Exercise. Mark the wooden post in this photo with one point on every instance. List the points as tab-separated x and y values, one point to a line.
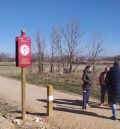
23	92
50	100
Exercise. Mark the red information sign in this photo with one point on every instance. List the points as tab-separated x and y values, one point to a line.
23	51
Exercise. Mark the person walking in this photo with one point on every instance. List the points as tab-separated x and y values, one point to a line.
113	84
87	78
103	85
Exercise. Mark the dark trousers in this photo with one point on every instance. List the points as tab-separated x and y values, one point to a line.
86	95
103	92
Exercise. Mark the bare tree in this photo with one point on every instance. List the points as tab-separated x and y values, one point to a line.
66	40
53	43
40	44
58	46
62	58
96	47
72	35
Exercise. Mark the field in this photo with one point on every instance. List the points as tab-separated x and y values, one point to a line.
71	83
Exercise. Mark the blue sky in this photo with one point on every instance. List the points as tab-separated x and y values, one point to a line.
101	16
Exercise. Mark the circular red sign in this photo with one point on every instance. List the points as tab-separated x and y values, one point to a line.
24	50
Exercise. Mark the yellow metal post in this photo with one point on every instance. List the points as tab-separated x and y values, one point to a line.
23	92
50	100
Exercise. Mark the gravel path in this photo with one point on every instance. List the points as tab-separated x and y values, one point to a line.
67	108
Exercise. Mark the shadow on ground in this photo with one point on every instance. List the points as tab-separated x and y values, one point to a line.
74	106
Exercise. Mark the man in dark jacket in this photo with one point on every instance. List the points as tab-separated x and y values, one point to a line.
102	84
113	84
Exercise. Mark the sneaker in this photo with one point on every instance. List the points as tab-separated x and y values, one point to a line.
87	106
113	117
101	105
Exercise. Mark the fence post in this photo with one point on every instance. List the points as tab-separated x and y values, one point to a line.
23	92
49	100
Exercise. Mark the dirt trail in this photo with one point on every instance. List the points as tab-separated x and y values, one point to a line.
67	108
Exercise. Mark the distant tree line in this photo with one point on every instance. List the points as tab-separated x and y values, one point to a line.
4	57
111	58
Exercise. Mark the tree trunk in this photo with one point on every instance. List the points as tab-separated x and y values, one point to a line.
51	68
70	68
42	69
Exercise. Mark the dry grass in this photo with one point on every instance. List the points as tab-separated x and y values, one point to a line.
66	82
